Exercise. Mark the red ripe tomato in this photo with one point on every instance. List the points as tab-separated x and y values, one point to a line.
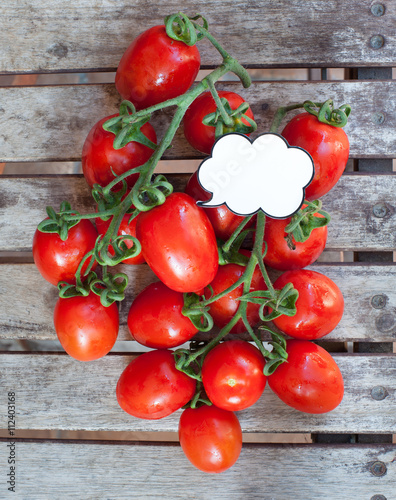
58	260
125	229
328	146
151	387
210	437
179	244
86	329
155	68
320	305
200	136
155	318
225	308
310	381
224	221
280	256
99	156
232	375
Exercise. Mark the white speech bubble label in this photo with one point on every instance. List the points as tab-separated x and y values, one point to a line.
265	174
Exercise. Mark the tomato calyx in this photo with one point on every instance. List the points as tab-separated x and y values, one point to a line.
226	120
305	221
151	194
337	117
57	222
277	355
181	28
196	313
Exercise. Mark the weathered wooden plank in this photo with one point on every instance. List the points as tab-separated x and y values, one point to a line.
57	392
97	470
61	116
362	208
369	293
49	35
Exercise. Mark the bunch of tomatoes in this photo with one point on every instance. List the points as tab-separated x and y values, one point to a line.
210	262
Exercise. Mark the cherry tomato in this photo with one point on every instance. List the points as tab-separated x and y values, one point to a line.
210	437
224	221
125	229
328	146
200	136
232	375
224	309
99	157
86	329
310	381
151	387
280	256
155	318
155	68
58	260
179	244
320	305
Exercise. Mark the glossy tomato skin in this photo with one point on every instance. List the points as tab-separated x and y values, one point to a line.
223	220
223	309
58	260
151	387
328	146
179	244
320	305
155	318
210	437
280	256
99	157
232	375
310	381
126	229
200	136
155	68
86	329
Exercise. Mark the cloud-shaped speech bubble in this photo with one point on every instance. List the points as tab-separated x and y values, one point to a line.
265	174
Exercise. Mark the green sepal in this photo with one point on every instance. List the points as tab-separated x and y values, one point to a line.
337	117
198	315
215	120
152	195
110	288
305	221
56	222
179	27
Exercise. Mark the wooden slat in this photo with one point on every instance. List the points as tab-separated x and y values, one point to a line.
354	225
57	392
162	471
33	301
61	116
82	35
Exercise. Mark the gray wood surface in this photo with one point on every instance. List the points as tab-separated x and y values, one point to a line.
39	36
61	116
54	391
33	301
354	224
143	471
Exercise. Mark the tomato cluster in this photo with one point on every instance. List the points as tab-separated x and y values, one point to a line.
204	277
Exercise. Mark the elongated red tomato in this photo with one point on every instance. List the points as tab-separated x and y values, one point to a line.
320	305
155	68
232	375
281	256
126	229
99	157
328	146
224	308
58	260
310	381
179	244
151	387
86	329
155	318
224	221
200	136
210	437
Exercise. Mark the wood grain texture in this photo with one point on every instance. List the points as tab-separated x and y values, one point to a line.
354	225
142	471
49	35
33	301
61	116
58	392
